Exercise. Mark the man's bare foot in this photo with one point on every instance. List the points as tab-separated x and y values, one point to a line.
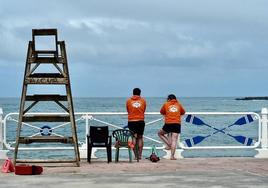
167	148
173	158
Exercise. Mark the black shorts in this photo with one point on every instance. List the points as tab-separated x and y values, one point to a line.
137	127
172	128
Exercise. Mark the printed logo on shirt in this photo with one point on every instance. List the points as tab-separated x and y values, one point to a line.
173	108
136	104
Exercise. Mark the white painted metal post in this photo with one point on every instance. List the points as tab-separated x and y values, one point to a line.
264	143
1	129
87	128
3	153
83	149
263	151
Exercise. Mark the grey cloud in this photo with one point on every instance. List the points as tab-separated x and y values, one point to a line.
111	40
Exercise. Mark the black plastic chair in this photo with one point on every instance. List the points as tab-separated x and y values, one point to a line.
122	138
99	137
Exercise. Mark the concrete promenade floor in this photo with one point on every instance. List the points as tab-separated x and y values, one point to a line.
189	172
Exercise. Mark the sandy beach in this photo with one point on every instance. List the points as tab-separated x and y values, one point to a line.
190	172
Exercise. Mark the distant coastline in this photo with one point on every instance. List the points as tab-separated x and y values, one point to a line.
252	98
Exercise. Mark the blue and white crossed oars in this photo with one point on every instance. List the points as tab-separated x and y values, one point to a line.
197	139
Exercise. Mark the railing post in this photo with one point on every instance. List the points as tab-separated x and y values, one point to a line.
1	129
3	153
83	148
263	151
264	142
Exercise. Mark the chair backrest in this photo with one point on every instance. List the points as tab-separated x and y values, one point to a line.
99	134
123	135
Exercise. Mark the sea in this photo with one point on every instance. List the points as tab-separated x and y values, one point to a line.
227	137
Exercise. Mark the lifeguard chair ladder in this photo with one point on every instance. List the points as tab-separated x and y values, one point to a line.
35	58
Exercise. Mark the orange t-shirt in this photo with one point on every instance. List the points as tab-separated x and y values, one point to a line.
136	107
172	110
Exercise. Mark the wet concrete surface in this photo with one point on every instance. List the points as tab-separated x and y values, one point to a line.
190	172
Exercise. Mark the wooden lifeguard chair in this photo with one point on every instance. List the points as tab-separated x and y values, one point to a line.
35	58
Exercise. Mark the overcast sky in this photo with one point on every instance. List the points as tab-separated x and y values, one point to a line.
189	48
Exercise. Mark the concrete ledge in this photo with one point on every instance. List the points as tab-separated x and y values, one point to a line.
262	153
3	154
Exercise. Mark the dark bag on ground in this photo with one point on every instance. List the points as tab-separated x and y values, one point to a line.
154	156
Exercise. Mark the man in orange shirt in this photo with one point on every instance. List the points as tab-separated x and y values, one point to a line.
136	106
172	111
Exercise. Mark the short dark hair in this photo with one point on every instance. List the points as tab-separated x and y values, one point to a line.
136	91
171	96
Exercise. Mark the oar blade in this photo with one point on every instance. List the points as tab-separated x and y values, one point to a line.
188	118
194	141
194	120
249	142
243	140
198	139
188	142
244	120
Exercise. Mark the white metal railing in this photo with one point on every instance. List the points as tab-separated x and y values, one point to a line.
85	116
88	117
